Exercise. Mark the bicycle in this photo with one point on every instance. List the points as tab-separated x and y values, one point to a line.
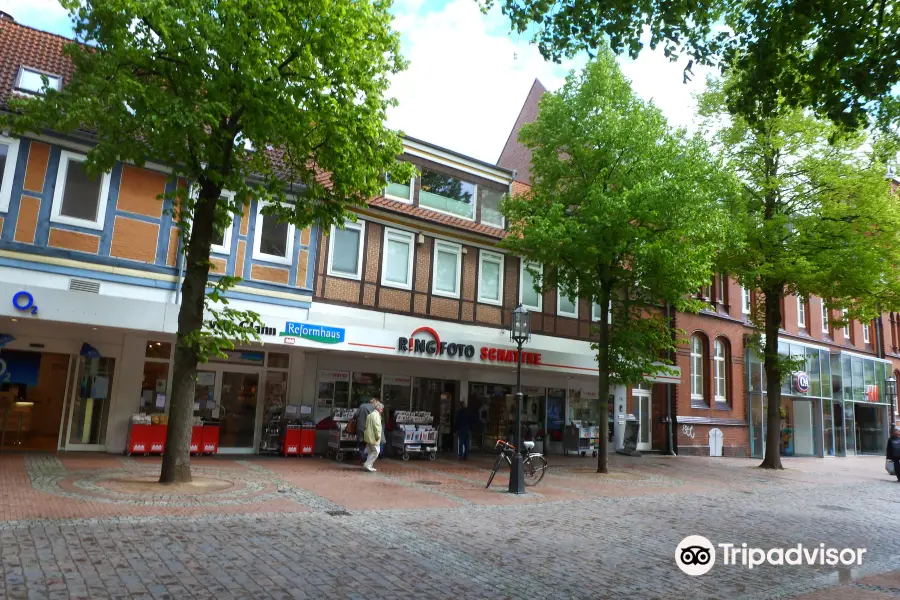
534	463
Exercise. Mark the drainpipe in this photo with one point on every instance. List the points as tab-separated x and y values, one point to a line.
180	272
670	450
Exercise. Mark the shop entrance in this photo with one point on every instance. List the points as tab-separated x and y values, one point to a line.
870	428
643	405
440	397
32	396
230	393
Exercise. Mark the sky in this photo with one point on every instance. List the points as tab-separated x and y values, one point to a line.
468	74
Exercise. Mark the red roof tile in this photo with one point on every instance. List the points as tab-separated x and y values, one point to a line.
29	47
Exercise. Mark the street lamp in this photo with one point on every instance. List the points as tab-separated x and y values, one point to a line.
519	332
890	390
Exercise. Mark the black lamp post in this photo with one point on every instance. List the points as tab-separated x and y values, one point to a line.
890	391
519	332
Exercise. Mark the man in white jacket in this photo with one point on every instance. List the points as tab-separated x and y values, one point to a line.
372	436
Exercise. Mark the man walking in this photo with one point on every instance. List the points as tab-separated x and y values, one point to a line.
893	451
464	420
372	436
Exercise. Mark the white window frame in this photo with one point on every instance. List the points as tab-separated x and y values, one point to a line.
523	265
596	314
502	224
697	367
403	236
746	301
447	247
826	320
720	373
9	171
866	333
60	189
801	313
412	191
847	326
559	311
720	288
257	239
50	76
360	226
486	256
225	248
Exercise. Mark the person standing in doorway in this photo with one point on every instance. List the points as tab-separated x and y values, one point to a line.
893	451
373	435
464	420
362	416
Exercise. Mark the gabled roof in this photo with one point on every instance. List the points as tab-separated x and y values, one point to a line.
515	156
33	48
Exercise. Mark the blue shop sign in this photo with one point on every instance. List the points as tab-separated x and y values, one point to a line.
316	333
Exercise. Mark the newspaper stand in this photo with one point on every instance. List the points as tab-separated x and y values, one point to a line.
414	434
340	442
581	439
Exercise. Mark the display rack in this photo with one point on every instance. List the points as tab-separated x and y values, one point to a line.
581	439
340	442
288	437
414	435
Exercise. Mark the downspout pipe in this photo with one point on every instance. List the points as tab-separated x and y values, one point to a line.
670	448
180	261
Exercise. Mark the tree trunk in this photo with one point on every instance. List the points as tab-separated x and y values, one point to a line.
772	459
176	463
603	383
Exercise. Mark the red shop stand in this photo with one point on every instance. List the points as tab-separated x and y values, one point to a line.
138	439
307	441
292	441
196	438
210	439
158	438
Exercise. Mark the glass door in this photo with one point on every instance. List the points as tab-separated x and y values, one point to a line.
89	409
642	402
237	398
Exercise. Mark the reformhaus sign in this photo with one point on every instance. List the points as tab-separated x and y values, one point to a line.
315	333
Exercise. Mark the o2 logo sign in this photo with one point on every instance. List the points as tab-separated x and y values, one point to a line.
801	382
24	302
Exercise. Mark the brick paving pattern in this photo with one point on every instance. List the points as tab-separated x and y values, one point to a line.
313	528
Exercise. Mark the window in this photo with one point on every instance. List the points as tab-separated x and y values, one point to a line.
801	313
826	318
697	370
155	381
447	194
720	374
847	326
529	296
401	192
564	306
490	207
79	199
706	292
447	263
346	250
865	329
31	81
490	278
746	301
221	240
720	288
9	152
273	240
596	314
397	263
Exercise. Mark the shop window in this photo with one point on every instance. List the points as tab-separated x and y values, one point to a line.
345	250
826	318
447	267
397	265
79	199
565	306
90	405
274	239
490	277
531	274
698	355
746	301
401	191
9	153
221	238
490	207
720	371
278	360
365	387
32	81
161	350
154	387
396	392
447	194
275	393
801	313
333	390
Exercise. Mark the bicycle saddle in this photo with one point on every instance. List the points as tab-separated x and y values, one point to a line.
529	445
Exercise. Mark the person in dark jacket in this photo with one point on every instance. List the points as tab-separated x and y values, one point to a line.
464	420
893	451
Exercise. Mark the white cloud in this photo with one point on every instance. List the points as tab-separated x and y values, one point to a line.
46	15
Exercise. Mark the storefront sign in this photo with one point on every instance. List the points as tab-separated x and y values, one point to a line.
511	356
334	375
24	301
315	333
399	380
260	329
529	390
801	382
433	346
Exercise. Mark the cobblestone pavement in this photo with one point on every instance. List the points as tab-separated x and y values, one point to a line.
313	528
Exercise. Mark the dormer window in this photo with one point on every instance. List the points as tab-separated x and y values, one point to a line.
490	207
447	194
31	81
399	191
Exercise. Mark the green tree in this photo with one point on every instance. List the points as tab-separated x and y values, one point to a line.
623	211
281	100
816	217
838	57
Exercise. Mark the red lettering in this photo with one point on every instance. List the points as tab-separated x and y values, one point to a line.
484	353
528	358
537	359
512	356
492	355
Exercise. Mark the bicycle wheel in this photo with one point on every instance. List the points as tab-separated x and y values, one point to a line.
535	466
494	471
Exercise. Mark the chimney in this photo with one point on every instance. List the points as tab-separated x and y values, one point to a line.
5	16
